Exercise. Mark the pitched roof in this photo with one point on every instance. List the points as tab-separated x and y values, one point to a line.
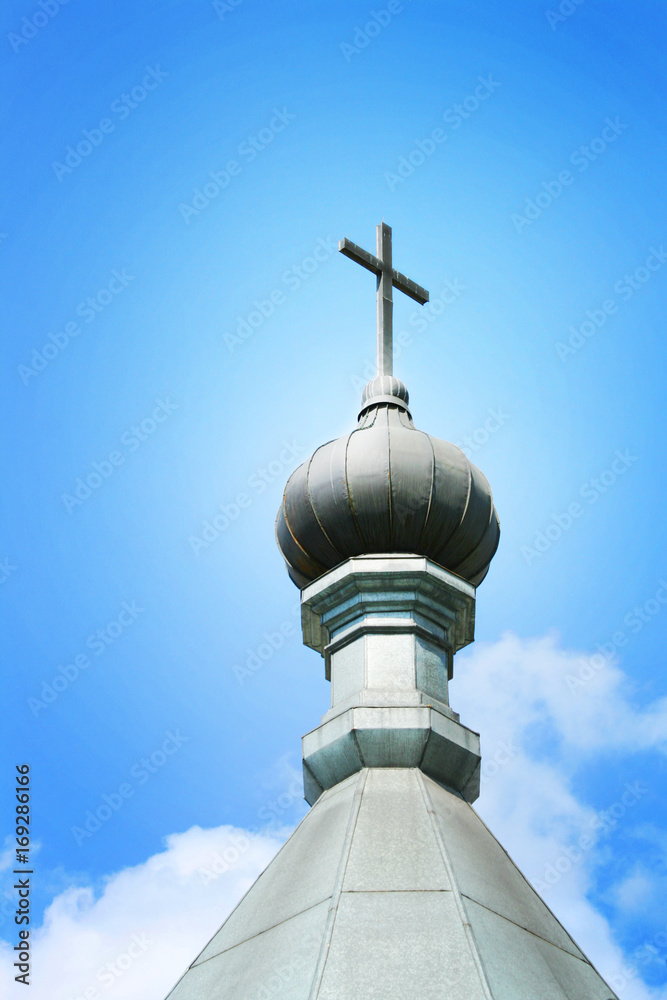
391	888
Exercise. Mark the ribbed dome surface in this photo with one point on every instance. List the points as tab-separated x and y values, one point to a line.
387	487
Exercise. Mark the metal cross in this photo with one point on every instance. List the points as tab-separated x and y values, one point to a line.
387	279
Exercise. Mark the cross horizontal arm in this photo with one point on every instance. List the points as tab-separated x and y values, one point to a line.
409	287
371	263
354	252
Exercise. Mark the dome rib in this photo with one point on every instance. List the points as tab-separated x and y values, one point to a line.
390	503
314	510
349	493
297	558
485	551
387	487
430	492
329	497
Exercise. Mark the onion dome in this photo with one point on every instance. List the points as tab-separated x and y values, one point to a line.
387	487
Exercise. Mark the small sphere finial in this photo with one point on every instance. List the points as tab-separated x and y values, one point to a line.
384	389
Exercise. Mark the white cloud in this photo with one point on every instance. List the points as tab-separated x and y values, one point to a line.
7	854
634	892
151	920
514	690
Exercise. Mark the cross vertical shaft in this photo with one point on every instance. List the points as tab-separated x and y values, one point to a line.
385	303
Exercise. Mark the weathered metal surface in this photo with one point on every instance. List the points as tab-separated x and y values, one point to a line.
411	737
387	280
387	487
388	627
392	887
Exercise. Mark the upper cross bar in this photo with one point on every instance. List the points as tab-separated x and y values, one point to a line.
387	279
371	263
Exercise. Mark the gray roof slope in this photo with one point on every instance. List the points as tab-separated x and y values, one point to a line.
391	888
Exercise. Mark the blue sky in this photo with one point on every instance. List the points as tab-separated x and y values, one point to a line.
179	331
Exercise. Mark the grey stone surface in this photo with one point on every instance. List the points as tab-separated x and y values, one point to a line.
277	963
350	675
301	875
486	873
391	888
431	669
522	966
420	953
390	662
393	848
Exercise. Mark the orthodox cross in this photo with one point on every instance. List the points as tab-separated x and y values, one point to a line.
387	280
